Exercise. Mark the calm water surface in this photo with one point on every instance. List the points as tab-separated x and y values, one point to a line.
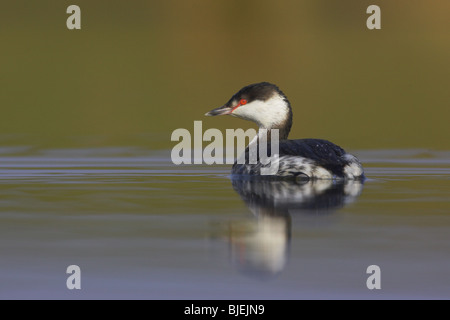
140	227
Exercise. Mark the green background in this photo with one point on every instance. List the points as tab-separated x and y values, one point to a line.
137	70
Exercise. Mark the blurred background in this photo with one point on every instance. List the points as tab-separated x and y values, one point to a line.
137	70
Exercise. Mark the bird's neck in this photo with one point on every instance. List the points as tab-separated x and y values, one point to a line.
283	132
281	121
283	129
265	134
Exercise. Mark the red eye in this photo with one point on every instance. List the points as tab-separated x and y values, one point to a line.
242	102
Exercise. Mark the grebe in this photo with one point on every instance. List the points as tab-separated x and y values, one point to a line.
266	105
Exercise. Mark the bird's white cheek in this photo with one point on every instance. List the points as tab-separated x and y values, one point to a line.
245	112
251	110
265	114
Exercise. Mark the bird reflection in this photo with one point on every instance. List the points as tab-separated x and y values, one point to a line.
260	246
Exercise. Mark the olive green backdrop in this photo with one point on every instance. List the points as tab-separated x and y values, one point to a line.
137	70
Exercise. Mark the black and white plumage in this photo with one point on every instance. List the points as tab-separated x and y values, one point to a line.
260	247
284	197
266	105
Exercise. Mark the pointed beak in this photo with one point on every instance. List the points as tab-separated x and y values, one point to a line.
219	111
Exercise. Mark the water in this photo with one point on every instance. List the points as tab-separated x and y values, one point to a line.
140	227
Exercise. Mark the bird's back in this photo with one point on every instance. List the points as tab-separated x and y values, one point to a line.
309	158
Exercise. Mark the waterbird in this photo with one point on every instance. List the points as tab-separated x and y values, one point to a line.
266	105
